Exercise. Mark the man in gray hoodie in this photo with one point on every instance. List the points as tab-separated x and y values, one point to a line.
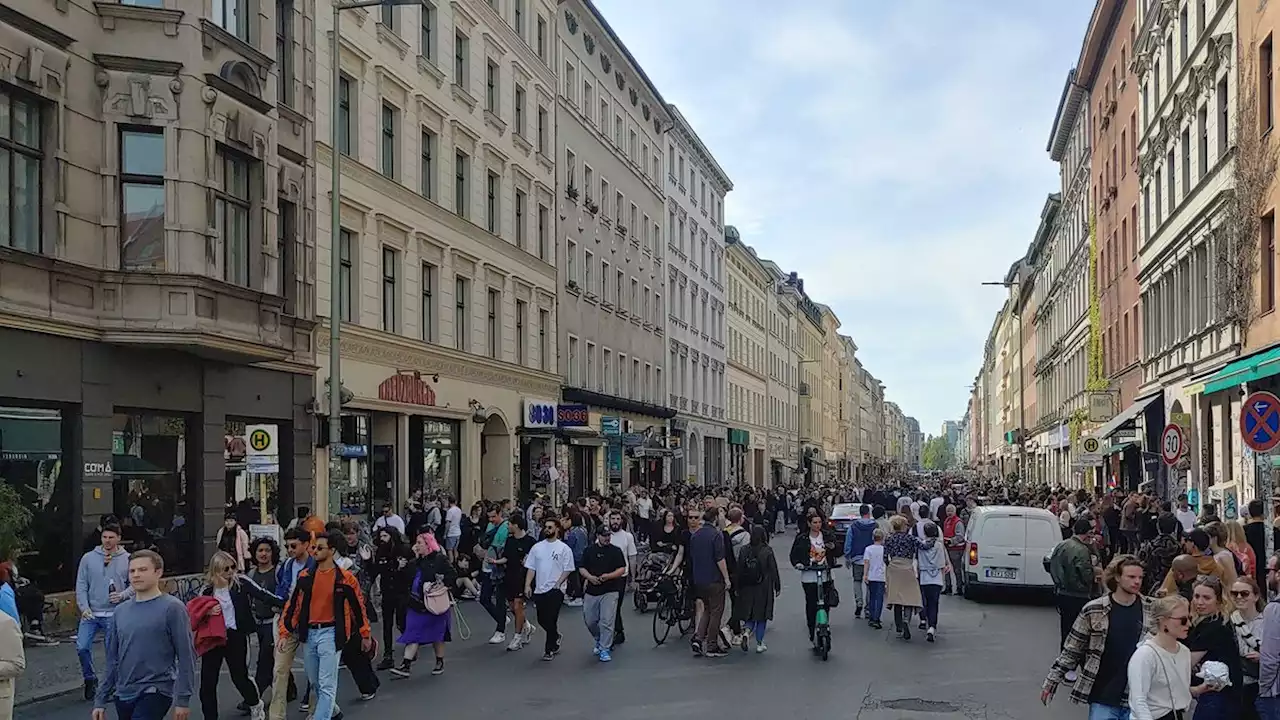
102	582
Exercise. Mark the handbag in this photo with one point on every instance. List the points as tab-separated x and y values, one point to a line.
436	598
833	596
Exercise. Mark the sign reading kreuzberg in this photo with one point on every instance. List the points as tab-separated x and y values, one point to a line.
408	388
1101	406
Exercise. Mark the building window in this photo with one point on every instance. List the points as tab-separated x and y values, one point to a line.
460	289
588	277
346	245
1268	262
517	17
543	213
520	220
390	122
232	217
1202	126
571	261
542	130
142	199
544	338
460	161
572	371
390	262
493	186
427	149
591	377
493	333
606	372
284	51
21	155
491	86
427	30
233	16
542	38
461	46
428	302
522	353
286	251
518	112
588	101
388	17
1266	75
344	115
570	83
1223	118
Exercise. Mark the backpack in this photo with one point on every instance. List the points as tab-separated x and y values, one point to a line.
750	569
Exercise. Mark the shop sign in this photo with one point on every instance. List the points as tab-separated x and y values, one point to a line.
615	461
539	413
97	469
117	443
739	437
1121	437
262	448
351	451
408	389
572	415
1101	406
610	425
633	439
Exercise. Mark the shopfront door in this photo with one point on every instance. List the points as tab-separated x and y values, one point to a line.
382	478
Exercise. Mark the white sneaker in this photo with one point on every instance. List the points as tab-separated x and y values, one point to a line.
498	638
573	602
529	630
517	642
761	647
257	712
1071	676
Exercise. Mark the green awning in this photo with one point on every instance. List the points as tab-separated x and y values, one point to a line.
1118	449
1255	367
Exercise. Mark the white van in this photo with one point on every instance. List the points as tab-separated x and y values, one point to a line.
1006	547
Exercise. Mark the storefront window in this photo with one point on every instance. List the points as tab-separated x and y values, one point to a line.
252	497
440	471
150	455
31	445
349	495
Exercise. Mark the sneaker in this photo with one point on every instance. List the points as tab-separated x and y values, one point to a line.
529	630
906	632
929	634
605	656
548	657
258	712
439	668
401	670
573	602
517	642
696	647
761	647
90	688
742	641
387	663
924	625
498	638
715	653
305	705
596	650
1071	676
243	707
366	697
857	612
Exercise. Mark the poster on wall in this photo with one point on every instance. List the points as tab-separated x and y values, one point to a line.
1229	506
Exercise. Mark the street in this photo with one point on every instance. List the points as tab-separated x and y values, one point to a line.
988	662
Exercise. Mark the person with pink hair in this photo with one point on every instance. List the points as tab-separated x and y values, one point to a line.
429	618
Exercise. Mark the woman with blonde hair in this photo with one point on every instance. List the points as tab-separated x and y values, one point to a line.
902	586
1248	601
235	594
1212	640
1160	669
1238	544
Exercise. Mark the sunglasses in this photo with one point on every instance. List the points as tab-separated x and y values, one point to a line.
1241	593
1182	620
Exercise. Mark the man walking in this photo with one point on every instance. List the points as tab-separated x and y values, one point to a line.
547	566
102	583
620	538
953	537
604	572
1071	567
298	545
860	536
710	583
151	658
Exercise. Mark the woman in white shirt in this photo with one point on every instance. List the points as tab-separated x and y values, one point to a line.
1160	669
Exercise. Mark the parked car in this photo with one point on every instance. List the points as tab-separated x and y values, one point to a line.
842	516
1006	549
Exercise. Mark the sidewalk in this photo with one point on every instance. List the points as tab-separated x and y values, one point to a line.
54	670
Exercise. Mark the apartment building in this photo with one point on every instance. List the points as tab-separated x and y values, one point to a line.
783	349
1188	85
447	282
914	442
611	126
873	449
850	408
696	304
895	436
810	334
830	409
749	296
156	256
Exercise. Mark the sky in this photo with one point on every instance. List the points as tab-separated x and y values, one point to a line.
891	153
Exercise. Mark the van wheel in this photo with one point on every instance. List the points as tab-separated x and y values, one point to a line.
970	592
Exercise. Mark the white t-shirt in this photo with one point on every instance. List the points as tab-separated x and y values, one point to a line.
223	596
1159	681
391	520
625	542
1187	518
934	504
643	507
873	562
453	521
548	559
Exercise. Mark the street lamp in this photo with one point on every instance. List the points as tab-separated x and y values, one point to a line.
1022	400
336	390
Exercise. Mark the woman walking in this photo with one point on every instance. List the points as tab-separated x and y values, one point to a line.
393	570
1160	669
758	585
236	595
934	565
234	541
814	547
1212	639
266	557
429	614
1246	621
902	588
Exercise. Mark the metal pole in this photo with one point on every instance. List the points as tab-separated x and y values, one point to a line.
335	263
1022	400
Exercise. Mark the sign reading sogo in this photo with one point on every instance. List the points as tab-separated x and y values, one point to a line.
1102	406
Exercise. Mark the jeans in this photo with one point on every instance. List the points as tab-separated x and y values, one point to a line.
758	628
86	633
857	568
548	606
321	662
1268	708
236	655
598	612
707	628
150	706
875	599
490	589
1098	711
931	594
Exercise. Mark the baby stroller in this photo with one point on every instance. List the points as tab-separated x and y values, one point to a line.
646	582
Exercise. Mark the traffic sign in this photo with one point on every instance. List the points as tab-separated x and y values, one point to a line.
1171	444
262	454
1260	421
1091	445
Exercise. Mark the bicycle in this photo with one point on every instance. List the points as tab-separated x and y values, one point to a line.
672	609
822	622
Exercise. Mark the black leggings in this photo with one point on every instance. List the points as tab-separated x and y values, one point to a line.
236	655
811	603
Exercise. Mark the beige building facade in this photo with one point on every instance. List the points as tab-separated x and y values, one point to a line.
448	288
748	295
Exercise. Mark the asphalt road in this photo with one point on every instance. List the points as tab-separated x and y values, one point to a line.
988	663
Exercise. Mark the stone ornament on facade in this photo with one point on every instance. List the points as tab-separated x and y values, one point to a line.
644	110
571	21
605	64
617	78
635	98
589	43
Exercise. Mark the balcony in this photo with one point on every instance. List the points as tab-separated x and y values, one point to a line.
191	313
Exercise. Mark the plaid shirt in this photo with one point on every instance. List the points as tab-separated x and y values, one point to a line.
1084	646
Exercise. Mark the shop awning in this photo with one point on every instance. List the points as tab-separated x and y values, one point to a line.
1125	417
1118	449
1255	367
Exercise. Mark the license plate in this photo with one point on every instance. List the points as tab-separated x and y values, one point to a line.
1002	573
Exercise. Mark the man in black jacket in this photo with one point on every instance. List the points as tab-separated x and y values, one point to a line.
1255	533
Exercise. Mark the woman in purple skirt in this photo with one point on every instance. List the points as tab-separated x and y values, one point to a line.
421	626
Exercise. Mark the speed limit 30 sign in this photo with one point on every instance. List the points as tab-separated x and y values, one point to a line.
1171	444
